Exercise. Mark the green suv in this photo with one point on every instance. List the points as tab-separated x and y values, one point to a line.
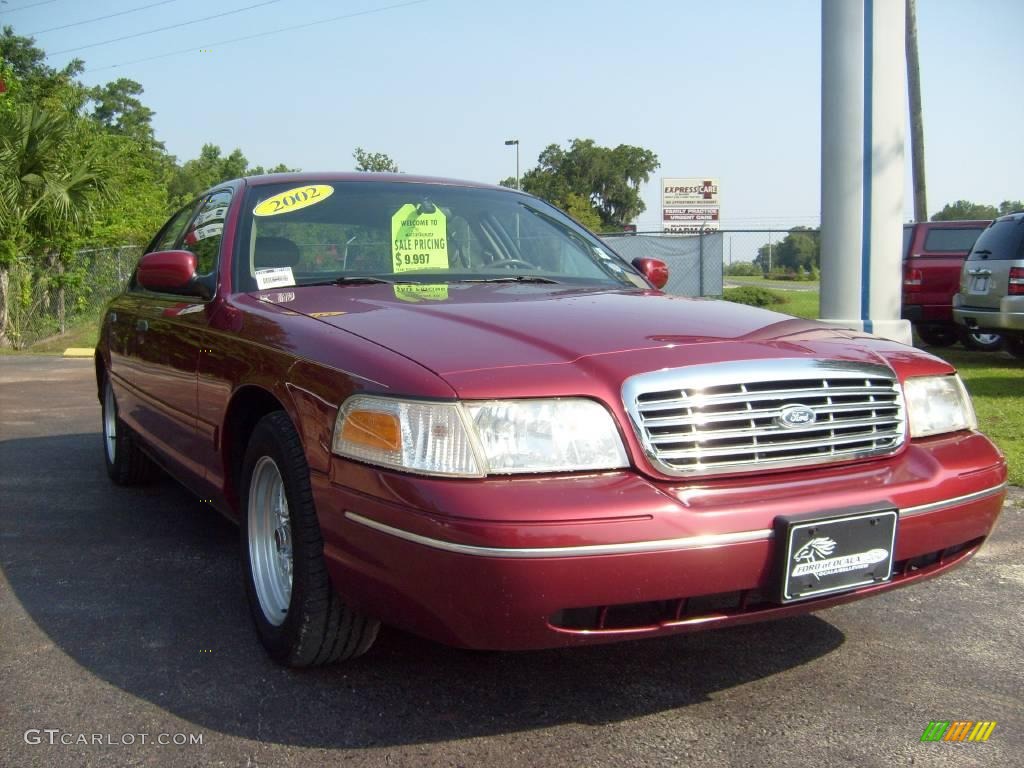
991	293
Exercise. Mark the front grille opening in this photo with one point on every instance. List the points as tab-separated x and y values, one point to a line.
658	613
742	426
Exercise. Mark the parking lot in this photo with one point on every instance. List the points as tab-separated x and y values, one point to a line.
122	613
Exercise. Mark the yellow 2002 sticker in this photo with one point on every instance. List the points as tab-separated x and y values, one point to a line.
293	199
419	240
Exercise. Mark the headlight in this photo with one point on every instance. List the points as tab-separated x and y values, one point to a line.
474	439
546	435
937	404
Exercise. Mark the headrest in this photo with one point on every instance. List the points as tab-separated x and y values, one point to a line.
275	252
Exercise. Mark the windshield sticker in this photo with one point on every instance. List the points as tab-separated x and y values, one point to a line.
418	293
293	199
210	230
419	240
275	277
217	214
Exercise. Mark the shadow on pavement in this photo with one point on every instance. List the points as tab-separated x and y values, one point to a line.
142	588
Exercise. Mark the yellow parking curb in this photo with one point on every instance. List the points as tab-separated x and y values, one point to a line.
78	352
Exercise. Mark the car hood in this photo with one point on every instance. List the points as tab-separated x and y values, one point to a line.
477	336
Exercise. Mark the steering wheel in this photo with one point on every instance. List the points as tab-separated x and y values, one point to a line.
509	262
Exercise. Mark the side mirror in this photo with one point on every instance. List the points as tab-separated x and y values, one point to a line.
170	272
655	270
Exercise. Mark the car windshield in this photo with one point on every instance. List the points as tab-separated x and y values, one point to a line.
409	232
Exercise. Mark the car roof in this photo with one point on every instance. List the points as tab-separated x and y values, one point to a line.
359	176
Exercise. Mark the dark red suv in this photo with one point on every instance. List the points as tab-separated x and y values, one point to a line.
933	253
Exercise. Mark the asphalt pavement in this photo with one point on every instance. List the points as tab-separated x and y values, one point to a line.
125	640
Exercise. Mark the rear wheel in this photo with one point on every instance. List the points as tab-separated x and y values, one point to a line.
1015	345
936	335
125	461
300	620
981	341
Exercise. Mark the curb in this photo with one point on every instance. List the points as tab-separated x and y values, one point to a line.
78	352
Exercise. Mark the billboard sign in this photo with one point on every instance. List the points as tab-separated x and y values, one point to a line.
690	206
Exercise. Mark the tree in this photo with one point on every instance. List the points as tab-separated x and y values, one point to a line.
1011	206
963	210
48	188
259	170
798	252
373	161
118	109
38	83
607	179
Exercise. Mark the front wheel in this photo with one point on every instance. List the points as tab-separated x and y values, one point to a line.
300	620
981	341
936	335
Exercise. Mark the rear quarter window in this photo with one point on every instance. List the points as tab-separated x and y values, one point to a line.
1002	240
951	240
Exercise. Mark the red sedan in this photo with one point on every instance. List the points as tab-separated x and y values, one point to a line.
448	407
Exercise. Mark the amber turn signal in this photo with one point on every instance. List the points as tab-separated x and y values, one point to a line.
372	429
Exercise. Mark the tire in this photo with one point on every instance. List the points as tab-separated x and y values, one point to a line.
1015	345
125	461
299	618
936	335
981	341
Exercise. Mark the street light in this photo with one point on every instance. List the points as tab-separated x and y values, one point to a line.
509	143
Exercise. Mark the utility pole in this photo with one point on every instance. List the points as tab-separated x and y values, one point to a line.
916	120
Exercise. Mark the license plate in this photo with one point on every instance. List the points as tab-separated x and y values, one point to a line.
979	284
824	555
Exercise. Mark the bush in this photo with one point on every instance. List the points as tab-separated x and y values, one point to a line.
754	296
744	269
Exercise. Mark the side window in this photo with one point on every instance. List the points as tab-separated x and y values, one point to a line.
172	230
206	231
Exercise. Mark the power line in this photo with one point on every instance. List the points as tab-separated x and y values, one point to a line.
192	49
24	7
102	18
164	29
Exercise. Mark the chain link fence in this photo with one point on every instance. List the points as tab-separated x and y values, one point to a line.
701	264
45	297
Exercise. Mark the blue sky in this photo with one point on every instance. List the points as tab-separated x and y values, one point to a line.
728	89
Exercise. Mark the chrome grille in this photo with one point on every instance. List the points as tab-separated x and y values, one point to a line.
748	415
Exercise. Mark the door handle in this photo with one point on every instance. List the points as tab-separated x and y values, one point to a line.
142	325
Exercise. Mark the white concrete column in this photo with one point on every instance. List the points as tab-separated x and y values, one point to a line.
862	135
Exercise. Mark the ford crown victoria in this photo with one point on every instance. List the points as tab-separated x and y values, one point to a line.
449	408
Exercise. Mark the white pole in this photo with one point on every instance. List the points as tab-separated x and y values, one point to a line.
862	134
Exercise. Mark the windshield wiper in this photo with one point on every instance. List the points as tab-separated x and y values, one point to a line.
350	280
509	279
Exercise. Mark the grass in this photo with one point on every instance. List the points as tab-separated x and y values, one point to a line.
996	383
84	334
766	283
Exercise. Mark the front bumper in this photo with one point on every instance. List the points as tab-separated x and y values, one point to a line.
541	562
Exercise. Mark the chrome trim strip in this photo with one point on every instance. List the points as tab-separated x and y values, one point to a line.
632	547
935	506
690	542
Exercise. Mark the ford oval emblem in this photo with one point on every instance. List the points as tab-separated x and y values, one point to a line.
796	415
